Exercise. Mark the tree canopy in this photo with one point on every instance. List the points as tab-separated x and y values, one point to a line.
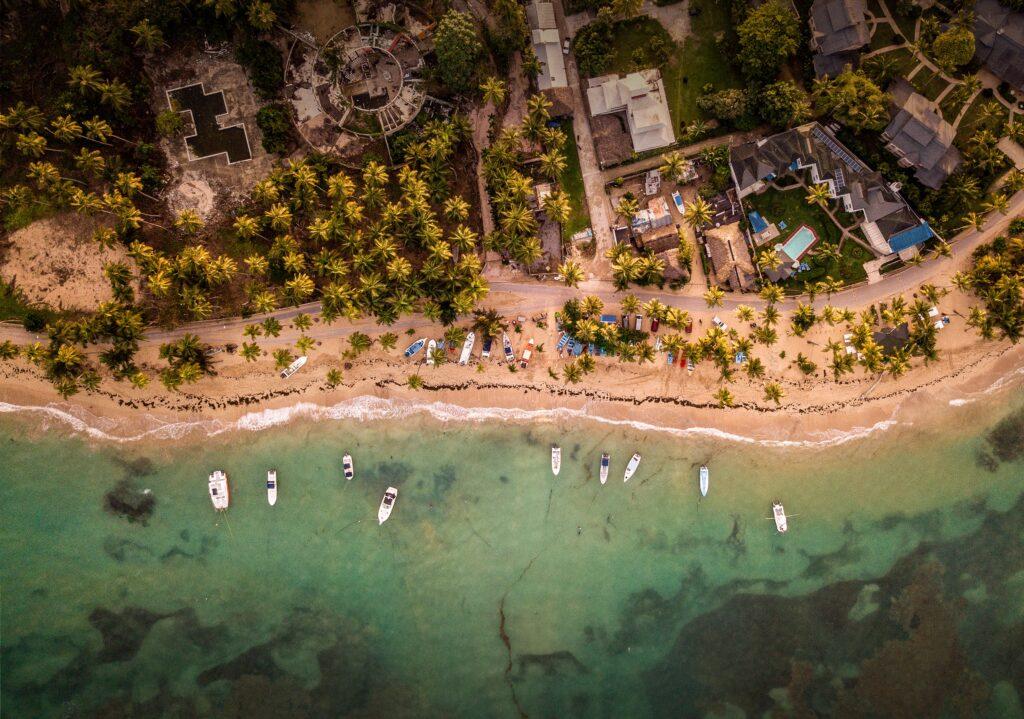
769	34
459	51
853	99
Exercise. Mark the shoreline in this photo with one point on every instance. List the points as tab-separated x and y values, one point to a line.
236	400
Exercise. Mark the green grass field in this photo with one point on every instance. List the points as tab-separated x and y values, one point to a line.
571	182
697	63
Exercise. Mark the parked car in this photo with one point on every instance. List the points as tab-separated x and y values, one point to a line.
654	325
719	324
639	323
565	46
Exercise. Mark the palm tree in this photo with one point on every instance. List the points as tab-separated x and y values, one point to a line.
644	353
771	294
773	392
714	296
251	351
572	373
655	310
675	165
304	344
744	313
495	91
724	397
898	362
997	202
629	304
975	220
698	212
116	94
769	259
557	207
571	272
828	285
819	195
148	36
627	207
84	77
552	163
755	368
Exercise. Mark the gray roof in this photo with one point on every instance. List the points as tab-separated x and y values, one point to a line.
1000	41
810	144
838	29
925	139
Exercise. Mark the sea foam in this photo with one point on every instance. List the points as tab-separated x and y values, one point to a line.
369	408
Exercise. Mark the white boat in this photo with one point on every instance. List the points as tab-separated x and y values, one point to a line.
293	367
634	462
605	462
704	477
556	459
467	348
431	346
779	515
272	487
386	505
510	356
527	354
220	494
346	463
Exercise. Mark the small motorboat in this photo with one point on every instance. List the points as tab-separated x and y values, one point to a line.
704	477
415	347
510	355
527	354
272	487
386	505
487	348
220	494
779	515
634	462
346	463
556	459
293	367
606	461
431	346
467	348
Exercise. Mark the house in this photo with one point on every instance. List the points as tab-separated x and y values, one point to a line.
891	339
889	224
730	258
999	36
920	137
641	97
547	45
839	29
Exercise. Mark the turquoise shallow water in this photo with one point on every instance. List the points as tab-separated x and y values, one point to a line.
498	590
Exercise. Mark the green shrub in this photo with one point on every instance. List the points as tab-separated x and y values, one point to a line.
275	124
263	63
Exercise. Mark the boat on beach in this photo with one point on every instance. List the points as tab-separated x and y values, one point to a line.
346	464
779	515
510	355
431	346
293	367
556	459
486	352
386	505
634	462
704	477
605	462
467	348
527	354
220	494
271	487
415	347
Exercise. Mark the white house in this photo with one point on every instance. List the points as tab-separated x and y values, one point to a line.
546	45
641	95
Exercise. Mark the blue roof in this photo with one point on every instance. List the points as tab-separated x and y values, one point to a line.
908	238
757	222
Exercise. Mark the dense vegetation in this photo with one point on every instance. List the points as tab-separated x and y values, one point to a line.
997	278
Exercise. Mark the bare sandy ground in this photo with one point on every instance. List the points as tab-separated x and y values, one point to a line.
56	262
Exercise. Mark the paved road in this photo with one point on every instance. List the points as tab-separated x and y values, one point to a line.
529	296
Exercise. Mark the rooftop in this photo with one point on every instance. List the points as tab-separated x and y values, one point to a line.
641	96
547	45
999	33
920	137
838	29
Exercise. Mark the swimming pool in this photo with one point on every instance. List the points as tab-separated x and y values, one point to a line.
799	242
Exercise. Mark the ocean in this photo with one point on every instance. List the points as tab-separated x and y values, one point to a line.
499	590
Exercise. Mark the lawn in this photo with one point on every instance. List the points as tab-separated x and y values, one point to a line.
792	208
951	106
905	61
884	36
934	87
697	63
14	307
973	122
571	182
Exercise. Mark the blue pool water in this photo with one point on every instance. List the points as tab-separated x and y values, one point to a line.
799	242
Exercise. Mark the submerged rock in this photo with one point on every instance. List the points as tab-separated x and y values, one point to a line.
128	501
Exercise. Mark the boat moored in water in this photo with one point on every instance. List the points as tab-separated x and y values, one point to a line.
294	367
779	515
556	459
346	464
606	461
272	487
704	477
220	494
386	505
634	462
